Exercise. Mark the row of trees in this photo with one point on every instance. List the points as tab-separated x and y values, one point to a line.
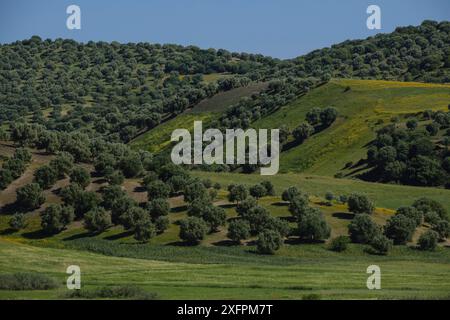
14	167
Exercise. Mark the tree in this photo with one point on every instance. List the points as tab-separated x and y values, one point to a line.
270	189
329	196
432	128
411	213
131	165
158	208
17	222
130	218
313	116
268	242
157	190
120	207
97	220
442	228
193	230
312	225
303	132
362	229
161	224
110	194
80	176
30	196
115	177
400	229
194	191
214	217
144	230
257	191
428	240
237	193
411	124
380	244
244	206
258	218
55	218
197	207
45	176
328	116
290	193
359	203
339	243
62	164
426	205
238	230
299	205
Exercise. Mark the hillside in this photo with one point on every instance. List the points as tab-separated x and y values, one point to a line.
364	106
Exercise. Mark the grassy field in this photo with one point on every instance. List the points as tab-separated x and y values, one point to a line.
366	106
158	138
304	270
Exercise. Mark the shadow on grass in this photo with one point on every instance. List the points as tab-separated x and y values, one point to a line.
280	204
178	209
10	209
139	189
182	244
225	243
119	235
343	215
7	232
80	236
296	240
227	206
35	235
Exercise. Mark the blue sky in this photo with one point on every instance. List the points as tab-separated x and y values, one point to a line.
280	28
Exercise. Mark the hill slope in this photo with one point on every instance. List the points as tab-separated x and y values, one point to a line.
363	106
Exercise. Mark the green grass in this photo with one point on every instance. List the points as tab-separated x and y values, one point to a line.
337	276
361	109
384	195
158	138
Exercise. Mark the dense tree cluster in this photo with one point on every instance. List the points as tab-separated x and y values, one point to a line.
14	167
414	155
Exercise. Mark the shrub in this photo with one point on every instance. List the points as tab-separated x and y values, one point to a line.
339	243
411	213
359	203
158	208
80	176
362	229
238	230
30	196
97	220
45	176
432	217
56	217
214	217
400	229
26	281
114	292
270	190
442	228
157	190
268	242
380	244
257	191
193	230
161	224
312	225
428	240
426	205
17	222
329	196
290	193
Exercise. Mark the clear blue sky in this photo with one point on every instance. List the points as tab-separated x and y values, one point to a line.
280	28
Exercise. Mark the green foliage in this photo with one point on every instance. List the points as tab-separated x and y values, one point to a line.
62	164
339	243
360	203
55	218
214	217
400	229
268	242
244	206
27	281
194	191
411	213
157	190
30	196
270	189
380	244
237	193
161	224
97	220
442	227
122	292
362	229
428	240
17	222
45	176
290	193
303	132
238	230
158	207
80	176
312	226
257	191
193	230
427	205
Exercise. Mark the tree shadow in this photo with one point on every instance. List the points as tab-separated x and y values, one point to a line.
178	209
343	215
79	236
139	189
225	243
280	204
182	244
7	232
36	235
227	206
296	240
121	235
10	209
